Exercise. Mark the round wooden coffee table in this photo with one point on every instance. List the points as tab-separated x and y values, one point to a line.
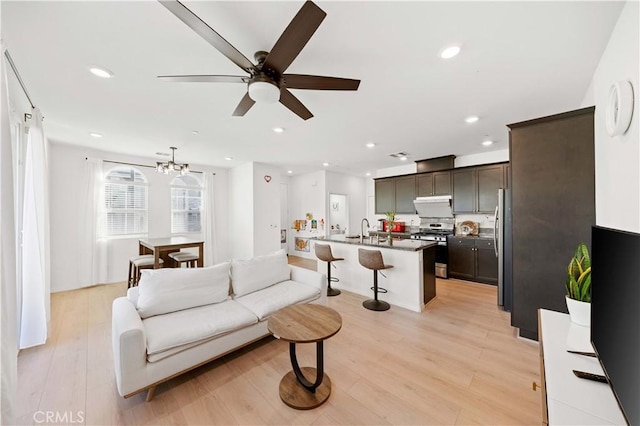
306	323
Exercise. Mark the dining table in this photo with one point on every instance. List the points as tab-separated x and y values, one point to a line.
162	247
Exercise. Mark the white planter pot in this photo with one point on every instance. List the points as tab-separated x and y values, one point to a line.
580	312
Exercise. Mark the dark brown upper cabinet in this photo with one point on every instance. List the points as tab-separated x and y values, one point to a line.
405	194
475	189
436	183
395	194
385	195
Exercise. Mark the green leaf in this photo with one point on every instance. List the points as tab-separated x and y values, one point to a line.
578	284
574	289
585	294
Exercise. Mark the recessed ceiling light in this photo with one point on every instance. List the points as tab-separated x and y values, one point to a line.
195	132
367	174
101	72
278	129
487	143
403	158
228	158
449	52
95	135
325	164
472	119
371	145
289	171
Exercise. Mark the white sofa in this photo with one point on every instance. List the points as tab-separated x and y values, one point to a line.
178	319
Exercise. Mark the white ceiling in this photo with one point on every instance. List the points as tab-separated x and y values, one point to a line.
519	60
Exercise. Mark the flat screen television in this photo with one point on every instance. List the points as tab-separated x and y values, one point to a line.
615	313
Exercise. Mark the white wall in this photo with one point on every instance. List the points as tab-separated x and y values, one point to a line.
618	158
405	169
482	158
67	186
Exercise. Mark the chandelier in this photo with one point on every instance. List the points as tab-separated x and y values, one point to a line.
171	165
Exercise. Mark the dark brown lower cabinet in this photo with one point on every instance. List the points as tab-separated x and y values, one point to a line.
473	259
461	259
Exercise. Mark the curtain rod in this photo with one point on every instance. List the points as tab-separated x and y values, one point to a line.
141	165
15	71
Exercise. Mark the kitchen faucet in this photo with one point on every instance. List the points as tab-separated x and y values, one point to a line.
362	229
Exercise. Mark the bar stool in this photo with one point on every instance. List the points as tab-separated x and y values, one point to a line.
323	252
372	259
145	261
180	257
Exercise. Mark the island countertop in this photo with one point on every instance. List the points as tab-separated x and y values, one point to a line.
398	244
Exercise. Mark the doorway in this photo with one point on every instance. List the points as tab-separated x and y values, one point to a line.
338	214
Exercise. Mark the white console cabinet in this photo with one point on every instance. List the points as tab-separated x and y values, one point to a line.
567	399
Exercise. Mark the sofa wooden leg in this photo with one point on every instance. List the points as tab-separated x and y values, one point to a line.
150	393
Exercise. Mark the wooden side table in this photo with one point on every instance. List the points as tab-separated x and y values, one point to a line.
306	323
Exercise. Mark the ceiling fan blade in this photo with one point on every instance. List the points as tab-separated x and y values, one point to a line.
205	78
294	37
208	33
317	82
287	99
245	105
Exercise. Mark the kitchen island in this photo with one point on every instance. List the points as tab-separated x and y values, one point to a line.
410	284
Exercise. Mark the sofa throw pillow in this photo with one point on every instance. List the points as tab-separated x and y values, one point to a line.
161	291
260	272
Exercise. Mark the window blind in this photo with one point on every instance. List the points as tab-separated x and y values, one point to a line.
126	202
186	204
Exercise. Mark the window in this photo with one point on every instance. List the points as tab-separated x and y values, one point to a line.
186	202
125	196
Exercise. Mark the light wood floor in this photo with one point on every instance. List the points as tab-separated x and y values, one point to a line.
458	362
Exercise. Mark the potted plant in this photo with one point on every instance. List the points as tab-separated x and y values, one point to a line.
578	286
391	216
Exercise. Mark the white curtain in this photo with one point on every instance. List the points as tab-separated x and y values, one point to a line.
35	238
93	261
208	220
8	294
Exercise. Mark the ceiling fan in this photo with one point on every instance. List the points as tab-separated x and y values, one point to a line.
266	80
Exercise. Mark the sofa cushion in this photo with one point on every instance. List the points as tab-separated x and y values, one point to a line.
172	289
248	276
265	302
185	329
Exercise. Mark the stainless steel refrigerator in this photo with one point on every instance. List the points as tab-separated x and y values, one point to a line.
502	244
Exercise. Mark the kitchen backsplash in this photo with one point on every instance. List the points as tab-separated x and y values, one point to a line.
484	220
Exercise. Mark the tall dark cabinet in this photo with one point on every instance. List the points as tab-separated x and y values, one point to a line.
553	208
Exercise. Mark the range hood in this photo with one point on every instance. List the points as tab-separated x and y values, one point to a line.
434	206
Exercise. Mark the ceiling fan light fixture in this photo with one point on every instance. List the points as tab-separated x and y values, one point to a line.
264	91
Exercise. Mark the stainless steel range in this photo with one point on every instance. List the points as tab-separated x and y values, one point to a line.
437	229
